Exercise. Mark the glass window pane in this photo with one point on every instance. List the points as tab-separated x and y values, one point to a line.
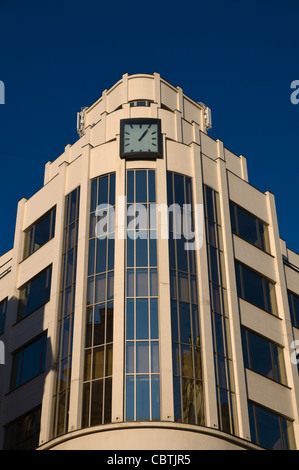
130	319
108	400
187	361
129	398
99	324
100	288
260	355
130	251
108	369
96	411
174	321
177	399
179	189
153	250
141	249
176	359
253	288
109	330
142	357
42	232
155	382
183	286
103	190
98	363
154	319
182	255
188	401
153	283
142	319
142	398
154	357
195	324
110	287
130	186
185	324
101	255
91	261
129	356
110	253
112	189
130	282
219	327
141	282
151	186
224	411
93	201
141	186
268	429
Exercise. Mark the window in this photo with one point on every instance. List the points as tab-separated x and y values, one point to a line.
23	433
226	400
40	233
255	288
185	330
28	362
294	308
97	385
66	313
263	356
35	293
249	227
3	308
142	389
270	430
139	103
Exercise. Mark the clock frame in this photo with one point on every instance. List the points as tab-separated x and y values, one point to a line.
140	153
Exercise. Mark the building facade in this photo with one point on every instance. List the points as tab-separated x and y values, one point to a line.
148	301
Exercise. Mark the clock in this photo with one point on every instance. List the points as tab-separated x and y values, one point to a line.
141	138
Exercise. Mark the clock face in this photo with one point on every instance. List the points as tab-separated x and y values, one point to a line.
140	138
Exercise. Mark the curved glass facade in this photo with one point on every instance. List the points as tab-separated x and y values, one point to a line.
142	380
97	380
186	345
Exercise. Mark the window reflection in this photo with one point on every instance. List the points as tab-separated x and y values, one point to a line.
97	387
142	393
187	389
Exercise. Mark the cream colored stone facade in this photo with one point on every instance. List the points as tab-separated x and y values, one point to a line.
190	151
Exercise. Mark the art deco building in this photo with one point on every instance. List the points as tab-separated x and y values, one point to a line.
148	301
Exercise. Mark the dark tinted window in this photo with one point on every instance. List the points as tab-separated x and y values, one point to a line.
28	362
40	233
256	289
294	308
35	294
270	430
249	227
23	433
263	356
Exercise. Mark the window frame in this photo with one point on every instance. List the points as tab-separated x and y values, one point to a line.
240	283
278	369
263	243
21	301
29	233
18	362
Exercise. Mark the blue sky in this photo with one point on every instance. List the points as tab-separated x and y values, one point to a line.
239	57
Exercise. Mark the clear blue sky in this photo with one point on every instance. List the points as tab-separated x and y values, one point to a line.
239	57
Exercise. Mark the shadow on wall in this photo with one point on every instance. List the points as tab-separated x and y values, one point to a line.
25	360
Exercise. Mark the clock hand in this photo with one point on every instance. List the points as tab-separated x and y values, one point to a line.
143	135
